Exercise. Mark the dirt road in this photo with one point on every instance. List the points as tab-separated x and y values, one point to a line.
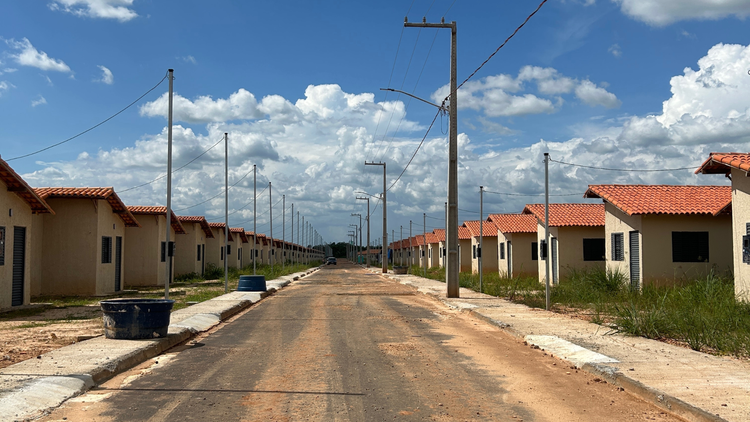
345	345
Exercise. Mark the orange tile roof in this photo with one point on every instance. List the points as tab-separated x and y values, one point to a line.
664	199
723	162
240	231
17	185
200	220
464	233
440	234
431	238
157	210
562	215
107	194
514	223
488	228
222	226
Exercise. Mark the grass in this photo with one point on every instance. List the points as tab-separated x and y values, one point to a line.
703	313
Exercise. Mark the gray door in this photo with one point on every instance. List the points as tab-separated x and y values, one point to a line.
118	263
19	261
509	258
554	260
635	261
203	259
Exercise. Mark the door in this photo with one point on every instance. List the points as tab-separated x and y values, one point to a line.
554	260
509	258
19	267
635	261
118	263
203	259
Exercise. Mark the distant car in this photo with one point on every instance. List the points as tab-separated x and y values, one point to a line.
331	260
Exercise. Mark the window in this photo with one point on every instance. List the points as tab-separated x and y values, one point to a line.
199	252
239	253
689	246
256	253
594	250
229	250
501	250
106	250
534	251
163	251
222	254
2	245
474	251
543	250
618	252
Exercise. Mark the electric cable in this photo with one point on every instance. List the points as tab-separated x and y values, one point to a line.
217	195
531	194
626	170
92	127
415	151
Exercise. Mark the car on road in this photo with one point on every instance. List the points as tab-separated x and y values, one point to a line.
331	260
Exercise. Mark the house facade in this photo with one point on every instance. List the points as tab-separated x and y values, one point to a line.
440	237
146	249
20	205
215	245
576	238
489	246
190	248
239	241
517	247
662	235
736	166
464	248
80	249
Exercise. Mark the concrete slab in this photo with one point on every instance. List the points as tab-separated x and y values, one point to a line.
40	395
566	350
198	323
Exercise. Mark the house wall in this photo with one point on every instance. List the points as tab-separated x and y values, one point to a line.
186	254
616	221
464	254
144	251
235	245
37	251
22	217
569	248
489	254
740	217
213	248
109	224
441	260
521	263
434	258
658	267
247	251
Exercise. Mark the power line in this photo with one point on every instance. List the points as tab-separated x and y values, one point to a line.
415	151
530	194
92	127
217	195
626	170
175	170
449	9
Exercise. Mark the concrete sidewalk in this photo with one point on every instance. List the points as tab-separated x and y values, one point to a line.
693	385
32	387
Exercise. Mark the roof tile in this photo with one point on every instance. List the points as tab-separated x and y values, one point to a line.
722	162
108	194
17	185
561	215
200	220
488	228
514	223
664	199
157	210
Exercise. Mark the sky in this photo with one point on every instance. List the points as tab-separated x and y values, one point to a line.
625	84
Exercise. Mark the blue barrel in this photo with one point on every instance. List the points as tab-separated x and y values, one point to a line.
132	319
252	283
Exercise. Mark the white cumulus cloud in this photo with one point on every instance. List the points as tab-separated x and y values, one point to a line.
664	12
593	95
27	55
106	9
39	101
107	76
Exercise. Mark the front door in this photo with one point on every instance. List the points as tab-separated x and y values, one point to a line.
118	263
553	253
509	258
203	259
635	261
19	267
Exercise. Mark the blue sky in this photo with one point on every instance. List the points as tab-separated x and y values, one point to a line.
296	84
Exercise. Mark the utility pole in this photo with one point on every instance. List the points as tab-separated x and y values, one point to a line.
299	245
360	232
546	231
401	244
451	234
272	250
169	183
368	228
304	249
385	218
481	234
355	239
255	202
426	246
411	258
291	261
226	213
393	251
283	231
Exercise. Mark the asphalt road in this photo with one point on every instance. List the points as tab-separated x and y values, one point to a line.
345	345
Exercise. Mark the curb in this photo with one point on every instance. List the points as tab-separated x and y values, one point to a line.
30	397
632	386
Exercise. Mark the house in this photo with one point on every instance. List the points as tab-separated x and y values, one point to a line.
146	251
19	206
237	246
489	246
263	249
517	251
190	249
215	245
428	249
440	236
250	249
658	234
464	248
576	237
736	167
79	250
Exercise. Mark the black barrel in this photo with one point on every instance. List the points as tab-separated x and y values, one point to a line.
252	283
131	319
